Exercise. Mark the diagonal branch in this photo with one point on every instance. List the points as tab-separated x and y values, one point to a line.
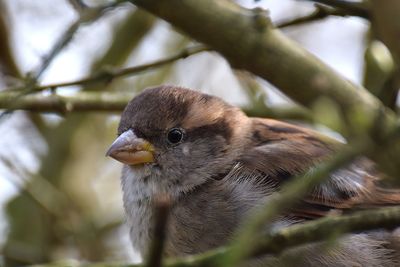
255	46
386	26
320	12
275	242
359	9
162	206
86	15
319	230
109	75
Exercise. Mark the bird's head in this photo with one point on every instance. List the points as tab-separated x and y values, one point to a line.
178	137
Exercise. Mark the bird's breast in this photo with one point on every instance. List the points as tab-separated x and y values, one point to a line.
140	222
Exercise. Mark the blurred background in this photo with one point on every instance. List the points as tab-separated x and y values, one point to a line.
59	196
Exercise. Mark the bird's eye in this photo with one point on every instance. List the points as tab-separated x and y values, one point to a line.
175	135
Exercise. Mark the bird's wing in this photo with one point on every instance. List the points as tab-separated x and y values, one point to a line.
283	151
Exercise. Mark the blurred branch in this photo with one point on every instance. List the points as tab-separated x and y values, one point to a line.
162	205
8	65
80	101
65	38
86	15
319	230
352	8
280	112
387	28
78	5
386	24
52	202
378	70
108	75
258	100
320	12
277	241
116	101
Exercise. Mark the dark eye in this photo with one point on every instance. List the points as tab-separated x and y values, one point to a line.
175	135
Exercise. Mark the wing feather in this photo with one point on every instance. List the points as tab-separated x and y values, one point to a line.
282	151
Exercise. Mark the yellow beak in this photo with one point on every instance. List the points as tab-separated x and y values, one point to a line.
130	149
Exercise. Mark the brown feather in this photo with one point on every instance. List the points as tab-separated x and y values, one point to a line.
283	151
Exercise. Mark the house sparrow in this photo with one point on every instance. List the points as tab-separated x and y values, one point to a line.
216	165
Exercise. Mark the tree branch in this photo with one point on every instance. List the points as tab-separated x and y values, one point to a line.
86	15
386	26
319	230
299	234
82	101
262	50
8	65
321	12
109	75
116	102
359	9
162	208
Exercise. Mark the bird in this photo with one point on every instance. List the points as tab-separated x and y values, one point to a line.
216	165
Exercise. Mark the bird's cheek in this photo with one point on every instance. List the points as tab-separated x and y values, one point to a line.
185	150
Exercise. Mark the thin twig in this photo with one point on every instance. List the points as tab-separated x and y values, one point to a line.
55	50
78	5
80	101
322	229
58	199
286	238
162	205
320	12
359	9
109	75
87	15
116	102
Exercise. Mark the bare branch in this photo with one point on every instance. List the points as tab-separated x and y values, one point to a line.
78	5
8	65
386	26
321	12
116	102
275	242
319	230
162	205
82	101
359	9
86	15
109	75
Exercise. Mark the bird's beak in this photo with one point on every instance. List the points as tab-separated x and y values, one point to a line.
130	149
